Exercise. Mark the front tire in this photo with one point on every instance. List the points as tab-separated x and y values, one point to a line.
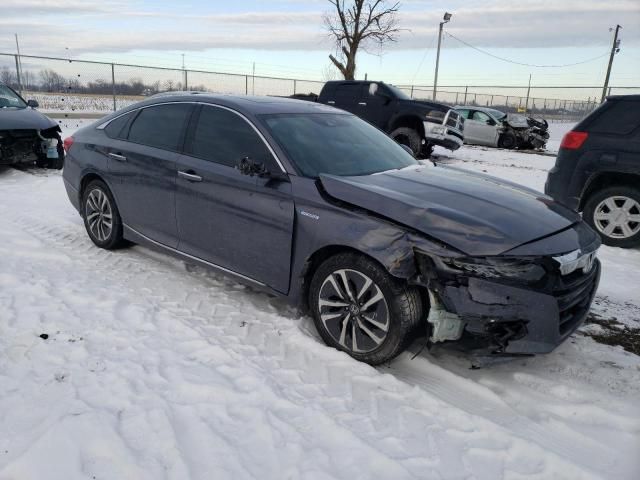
101	216
507	140
614	213
359	308
410	138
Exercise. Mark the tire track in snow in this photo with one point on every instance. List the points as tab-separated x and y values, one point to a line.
375	408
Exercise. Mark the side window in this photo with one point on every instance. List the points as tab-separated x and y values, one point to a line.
329	90
620	118
463	113
160	126
226	138
116	128
348	92
480	117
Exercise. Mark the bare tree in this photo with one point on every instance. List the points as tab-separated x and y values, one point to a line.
355	24
7	76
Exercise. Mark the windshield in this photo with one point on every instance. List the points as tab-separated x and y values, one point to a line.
397	92
337	144
496	113
10	99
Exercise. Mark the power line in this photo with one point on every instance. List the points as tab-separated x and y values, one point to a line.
521	63
423	58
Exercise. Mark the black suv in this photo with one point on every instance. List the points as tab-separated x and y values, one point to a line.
597	171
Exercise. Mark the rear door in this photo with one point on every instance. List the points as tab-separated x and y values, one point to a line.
347	95
143	165
240	223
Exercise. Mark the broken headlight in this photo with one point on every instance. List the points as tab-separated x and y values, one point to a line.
496	267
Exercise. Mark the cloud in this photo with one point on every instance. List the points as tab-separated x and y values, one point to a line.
97	27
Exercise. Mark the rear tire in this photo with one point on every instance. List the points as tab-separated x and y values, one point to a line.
409	137
382	328
101	216
614	213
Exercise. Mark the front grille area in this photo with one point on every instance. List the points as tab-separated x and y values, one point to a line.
573	293
455	120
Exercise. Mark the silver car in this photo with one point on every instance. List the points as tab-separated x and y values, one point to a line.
490	127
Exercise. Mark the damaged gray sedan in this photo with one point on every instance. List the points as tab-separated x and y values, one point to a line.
26	135
493	128
313	204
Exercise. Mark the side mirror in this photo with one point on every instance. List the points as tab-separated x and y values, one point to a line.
491	122
247	166
33	103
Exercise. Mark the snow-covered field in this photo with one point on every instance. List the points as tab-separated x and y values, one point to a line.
154	369
79	103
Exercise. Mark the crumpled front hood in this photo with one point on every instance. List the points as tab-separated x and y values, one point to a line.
516	120
474	213
24	119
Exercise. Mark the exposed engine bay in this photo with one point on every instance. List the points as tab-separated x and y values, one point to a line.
530	132
44	147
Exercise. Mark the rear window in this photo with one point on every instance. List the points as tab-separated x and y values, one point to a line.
116	128
160	126
619	117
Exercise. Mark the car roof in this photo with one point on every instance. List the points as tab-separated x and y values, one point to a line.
475	107
634	98
246	104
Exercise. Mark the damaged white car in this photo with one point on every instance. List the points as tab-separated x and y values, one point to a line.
493	128
26	135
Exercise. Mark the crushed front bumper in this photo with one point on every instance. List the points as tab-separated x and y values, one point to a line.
442	135
501	319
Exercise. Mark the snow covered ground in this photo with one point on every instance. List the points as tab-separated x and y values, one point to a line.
152	368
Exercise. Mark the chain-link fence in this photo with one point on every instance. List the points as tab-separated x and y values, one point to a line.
550	102
87	88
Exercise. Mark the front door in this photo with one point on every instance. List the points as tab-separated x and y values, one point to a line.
237	222
480	129
375	104
143	165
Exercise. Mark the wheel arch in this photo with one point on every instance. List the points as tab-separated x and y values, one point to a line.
387	263
409	121
87	178
602	180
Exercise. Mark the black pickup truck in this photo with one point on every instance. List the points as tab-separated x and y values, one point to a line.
418	124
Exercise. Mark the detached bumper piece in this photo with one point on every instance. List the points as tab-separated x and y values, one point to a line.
513	320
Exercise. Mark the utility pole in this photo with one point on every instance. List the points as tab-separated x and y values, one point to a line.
526	105
184	75
253	80
446	18
615	48
18	66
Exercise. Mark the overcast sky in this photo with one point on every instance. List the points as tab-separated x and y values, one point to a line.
286	37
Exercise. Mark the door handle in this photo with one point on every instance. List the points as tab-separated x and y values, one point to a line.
190	176
364	104
118	157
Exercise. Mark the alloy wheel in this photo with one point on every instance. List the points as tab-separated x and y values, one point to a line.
617	217
354	310
99	215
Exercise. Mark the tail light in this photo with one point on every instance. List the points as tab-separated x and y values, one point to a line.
573	140
67	143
